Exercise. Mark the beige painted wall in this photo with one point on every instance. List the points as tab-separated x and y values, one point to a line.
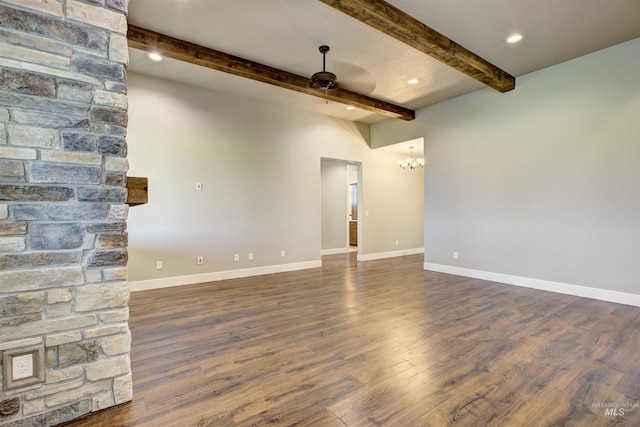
541	182
259	166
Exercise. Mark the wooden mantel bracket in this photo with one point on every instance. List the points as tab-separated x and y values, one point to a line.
137	191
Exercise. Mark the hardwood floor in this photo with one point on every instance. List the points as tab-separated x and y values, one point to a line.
381	343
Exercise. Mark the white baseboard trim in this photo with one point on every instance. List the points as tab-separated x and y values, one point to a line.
544	285
392	254
167	282
335	251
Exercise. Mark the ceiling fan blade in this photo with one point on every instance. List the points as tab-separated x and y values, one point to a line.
353	77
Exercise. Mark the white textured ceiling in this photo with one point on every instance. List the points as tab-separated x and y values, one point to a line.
286	34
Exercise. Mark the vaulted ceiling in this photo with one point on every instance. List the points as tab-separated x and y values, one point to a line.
373	55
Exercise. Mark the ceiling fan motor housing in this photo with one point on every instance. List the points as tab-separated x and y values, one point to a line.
323	80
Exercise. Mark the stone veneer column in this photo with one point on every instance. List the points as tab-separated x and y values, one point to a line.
63	240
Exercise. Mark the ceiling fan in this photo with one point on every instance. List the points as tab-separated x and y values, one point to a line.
324	79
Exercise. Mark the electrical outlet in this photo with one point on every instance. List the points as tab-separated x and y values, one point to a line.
159	265
236	257
22	366
198	186
250	256
455	255
397	243
282	253
200	260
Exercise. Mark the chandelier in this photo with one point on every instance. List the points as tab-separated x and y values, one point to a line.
411	163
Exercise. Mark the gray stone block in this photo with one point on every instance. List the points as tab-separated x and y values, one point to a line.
51	120
116	344
55	375
97	67
76	91
13	228
51	358
27	83
119	87
39	43
109	115
35	193
76	141
13	244
47	326
23	304
43	278
63	173
119	5
52	28
46	105
11	171
56	416
6	322
55	236
113	240
59	212
118	212
118	179
106	227
55	296
101	296
107	258
102	194
111	98
123	388
31	136
76	353
112	145
59	310
116	164
9	407
120	315
87	390
115	130
108	368
35	260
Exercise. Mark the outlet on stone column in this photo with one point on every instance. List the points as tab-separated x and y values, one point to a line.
23	367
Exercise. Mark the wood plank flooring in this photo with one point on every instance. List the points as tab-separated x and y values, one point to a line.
380	343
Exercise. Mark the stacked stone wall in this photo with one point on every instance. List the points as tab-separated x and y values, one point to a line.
63	239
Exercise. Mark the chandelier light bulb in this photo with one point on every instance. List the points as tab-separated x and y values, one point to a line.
411	163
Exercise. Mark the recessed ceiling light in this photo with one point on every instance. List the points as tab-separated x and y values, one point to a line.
515	38
351	108
413	81
155	56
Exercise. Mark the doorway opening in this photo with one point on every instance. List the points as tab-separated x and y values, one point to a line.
341	201
353	193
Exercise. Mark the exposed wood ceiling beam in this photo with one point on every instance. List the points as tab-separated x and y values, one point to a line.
392	21
143	39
